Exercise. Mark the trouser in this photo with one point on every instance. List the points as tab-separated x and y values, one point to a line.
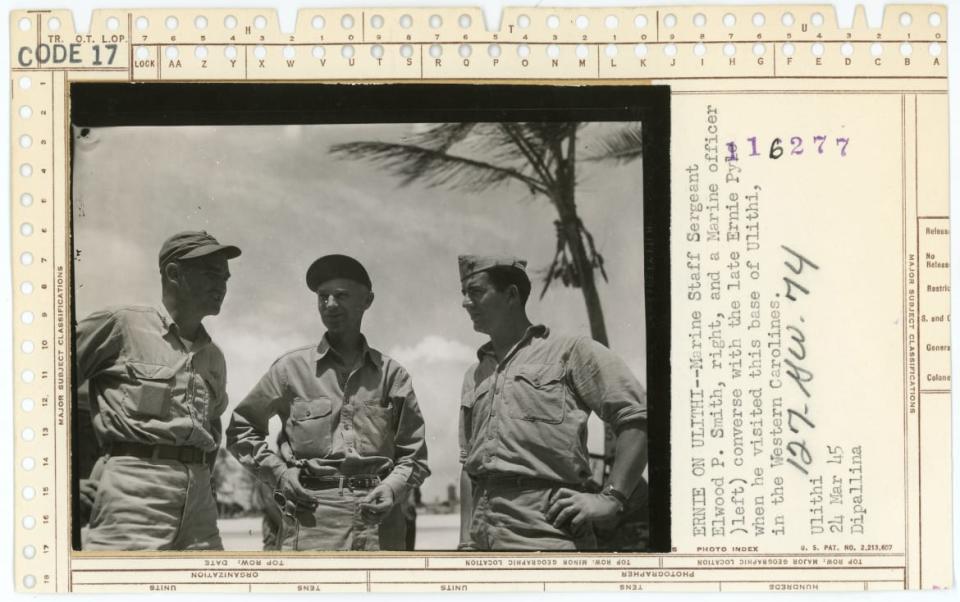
144	504
510	516
337	523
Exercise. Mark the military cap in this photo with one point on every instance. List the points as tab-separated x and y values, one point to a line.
190	245
473	264
329	267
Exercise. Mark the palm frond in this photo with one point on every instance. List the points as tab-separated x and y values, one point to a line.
622	146
435	168
442	136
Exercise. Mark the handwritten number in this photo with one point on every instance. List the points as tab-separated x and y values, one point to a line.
776	150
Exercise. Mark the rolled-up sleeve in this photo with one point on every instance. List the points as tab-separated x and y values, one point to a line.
410	468
249	428
606	385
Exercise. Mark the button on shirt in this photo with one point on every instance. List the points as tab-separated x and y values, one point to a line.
145	385
369	425
527	415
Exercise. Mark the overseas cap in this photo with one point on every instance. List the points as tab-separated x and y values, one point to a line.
472	264
329	267
190	244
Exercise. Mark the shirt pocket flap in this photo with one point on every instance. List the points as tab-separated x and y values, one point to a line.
145	371
307	409
540	375
479	391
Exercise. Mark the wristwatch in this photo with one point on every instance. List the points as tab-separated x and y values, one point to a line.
611	491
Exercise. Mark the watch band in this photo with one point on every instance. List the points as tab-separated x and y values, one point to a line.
616	494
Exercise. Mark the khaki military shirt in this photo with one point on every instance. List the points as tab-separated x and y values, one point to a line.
371	424
527	415
145	385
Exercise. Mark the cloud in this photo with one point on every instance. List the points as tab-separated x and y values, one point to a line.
434	349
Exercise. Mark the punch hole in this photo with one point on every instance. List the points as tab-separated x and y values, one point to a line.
26	317
934	19
523	51
670	20
553	21
846	49
788	49
28	493
27	404
494	50
201	52
172	53
260	22
906	49
260	52
729	49
27	434
759	19
610	50
553	51
376	21
142	53
523	21
26	347
142	23
612	22
876	49
230	22
53	24
27	376
582	22
318	22
816	19
464	21
200	22
817	49
406	51
906	19
26	112
318	52
436	51
26	288
29	552
700	20
28	522
26	141
289	52
26	199
26	229
376	51
759	48
25	83
699	49
346	21
113	23
934	49
640	21
347	52
465	50
436	21
640	50
28	463
24	24
729	20
29	581
406	21
171	23
787	19
26	170
582	51
230	52
670	50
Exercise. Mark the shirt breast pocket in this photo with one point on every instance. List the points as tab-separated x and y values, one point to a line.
309	428
538	393
151	391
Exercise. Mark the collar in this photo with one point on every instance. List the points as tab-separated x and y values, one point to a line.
533	331
372	355
202	336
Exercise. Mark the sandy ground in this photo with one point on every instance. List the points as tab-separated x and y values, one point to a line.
434	532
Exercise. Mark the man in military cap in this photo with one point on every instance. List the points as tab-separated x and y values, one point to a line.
352	440
523	422
157	388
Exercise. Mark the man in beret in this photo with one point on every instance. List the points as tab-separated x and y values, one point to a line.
352	437
157	388
523	422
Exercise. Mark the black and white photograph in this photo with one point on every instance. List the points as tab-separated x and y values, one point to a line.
370	318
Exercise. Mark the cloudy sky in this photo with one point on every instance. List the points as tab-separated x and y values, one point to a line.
275	192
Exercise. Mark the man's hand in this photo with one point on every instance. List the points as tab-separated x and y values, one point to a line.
377	503
578	508
290	488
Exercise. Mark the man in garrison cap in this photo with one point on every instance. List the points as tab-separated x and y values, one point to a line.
352	438
523	422
157	389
